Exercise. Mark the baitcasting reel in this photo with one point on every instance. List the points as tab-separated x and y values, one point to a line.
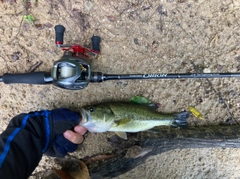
73	70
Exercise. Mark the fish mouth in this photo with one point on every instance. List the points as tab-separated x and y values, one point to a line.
85	116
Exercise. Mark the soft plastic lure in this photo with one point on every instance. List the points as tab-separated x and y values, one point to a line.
195	112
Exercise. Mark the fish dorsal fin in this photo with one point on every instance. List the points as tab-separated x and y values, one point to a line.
144	101
122	135
139	100
153	106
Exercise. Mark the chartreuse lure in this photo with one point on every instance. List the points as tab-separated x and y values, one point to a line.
195	112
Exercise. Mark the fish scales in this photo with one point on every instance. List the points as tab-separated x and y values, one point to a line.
136	112
138	117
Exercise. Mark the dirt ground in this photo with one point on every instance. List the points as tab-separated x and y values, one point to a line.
138	36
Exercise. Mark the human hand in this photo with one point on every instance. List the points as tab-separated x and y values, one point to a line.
77	136
65	132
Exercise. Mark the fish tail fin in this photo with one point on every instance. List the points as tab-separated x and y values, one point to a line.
180	119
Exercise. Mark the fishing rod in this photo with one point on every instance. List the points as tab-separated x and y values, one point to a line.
73	70
104	77
81	80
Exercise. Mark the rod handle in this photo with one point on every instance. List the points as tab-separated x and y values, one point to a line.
27	78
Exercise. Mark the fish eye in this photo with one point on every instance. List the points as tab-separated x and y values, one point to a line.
91	109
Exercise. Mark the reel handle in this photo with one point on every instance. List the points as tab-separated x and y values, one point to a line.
96	43
59	31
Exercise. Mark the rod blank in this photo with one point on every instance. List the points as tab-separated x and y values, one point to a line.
168	76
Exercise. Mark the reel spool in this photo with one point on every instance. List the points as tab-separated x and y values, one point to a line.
71	73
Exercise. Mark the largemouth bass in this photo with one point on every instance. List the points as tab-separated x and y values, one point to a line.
125	117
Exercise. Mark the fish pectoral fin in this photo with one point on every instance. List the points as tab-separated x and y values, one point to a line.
122	135
122	122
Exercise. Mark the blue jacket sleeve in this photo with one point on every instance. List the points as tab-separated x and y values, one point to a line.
23	143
